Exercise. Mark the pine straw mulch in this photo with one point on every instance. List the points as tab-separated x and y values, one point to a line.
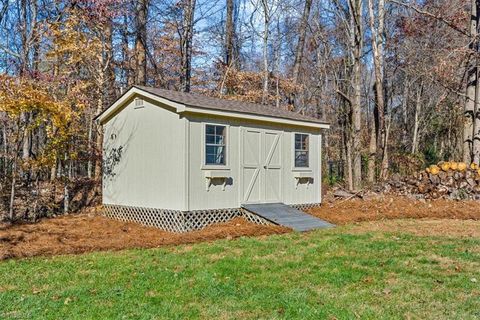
400	214
382	208
75	234
87	232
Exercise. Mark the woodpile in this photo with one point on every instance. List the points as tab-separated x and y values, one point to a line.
452	180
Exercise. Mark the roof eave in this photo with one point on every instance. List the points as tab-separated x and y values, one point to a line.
255	117
119	103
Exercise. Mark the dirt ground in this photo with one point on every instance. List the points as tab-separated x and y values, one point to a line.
88	232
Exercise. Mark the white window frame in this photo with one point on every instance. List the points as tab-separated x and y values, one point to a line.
225	166
309	167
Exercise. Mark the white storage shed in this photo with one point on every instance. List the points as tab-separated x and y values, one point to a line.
180	161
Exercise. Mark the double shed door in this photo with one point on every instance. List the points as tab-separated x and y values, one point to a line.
261	165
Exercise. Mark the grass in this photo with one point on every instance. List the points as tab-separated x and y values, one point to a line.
320	275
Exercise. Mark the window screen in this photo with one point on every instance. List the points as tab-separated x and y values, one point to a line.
301	150
215	143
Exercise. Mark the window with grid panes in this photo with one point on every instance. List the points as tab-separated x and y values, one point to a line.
301	150
215	144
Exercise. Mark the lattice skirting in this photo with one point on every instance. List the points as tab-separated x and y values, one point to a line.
305	206
176	220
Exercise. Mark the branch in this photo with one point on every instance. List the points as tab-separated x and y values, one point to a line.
344	96
10	52
431	15
4	9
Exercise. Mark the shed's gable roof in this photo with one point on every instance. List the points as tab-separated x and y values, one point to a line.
201	101
191	102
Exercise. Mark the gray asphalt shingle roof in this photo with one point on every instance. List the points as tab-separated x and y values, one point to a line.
201	101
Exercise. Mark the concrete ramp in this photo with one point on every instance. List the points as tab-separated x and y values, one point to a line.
287	216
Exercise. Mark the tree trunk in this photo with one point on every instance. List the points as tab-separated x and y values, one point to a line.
23	72
230	59
356	43
476	119
66	191
418	107
11	208
66	198
5	149
108	63
372	151
230	54
405	117
301	40
24	36
129	76
385	163
356	122
99	136
377	30
106	90
266	32
186	44
349	166
27	136
141	13
472	84
277	49
98	144
91	151
16	150
53	168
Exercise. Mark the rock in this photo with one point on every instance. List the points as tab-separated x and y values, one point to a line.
343	194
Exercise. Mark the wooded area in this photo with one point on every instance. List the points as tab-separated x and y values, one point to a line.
397	79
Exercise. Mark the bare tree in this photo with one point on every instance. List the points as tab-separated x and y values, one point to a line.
266	32
230	58
186	44
127	60
356	51
471	144
302	32
141	13
105	82
377	26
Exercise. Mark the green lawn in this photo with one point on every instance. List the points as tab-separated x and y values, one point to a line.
321	275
